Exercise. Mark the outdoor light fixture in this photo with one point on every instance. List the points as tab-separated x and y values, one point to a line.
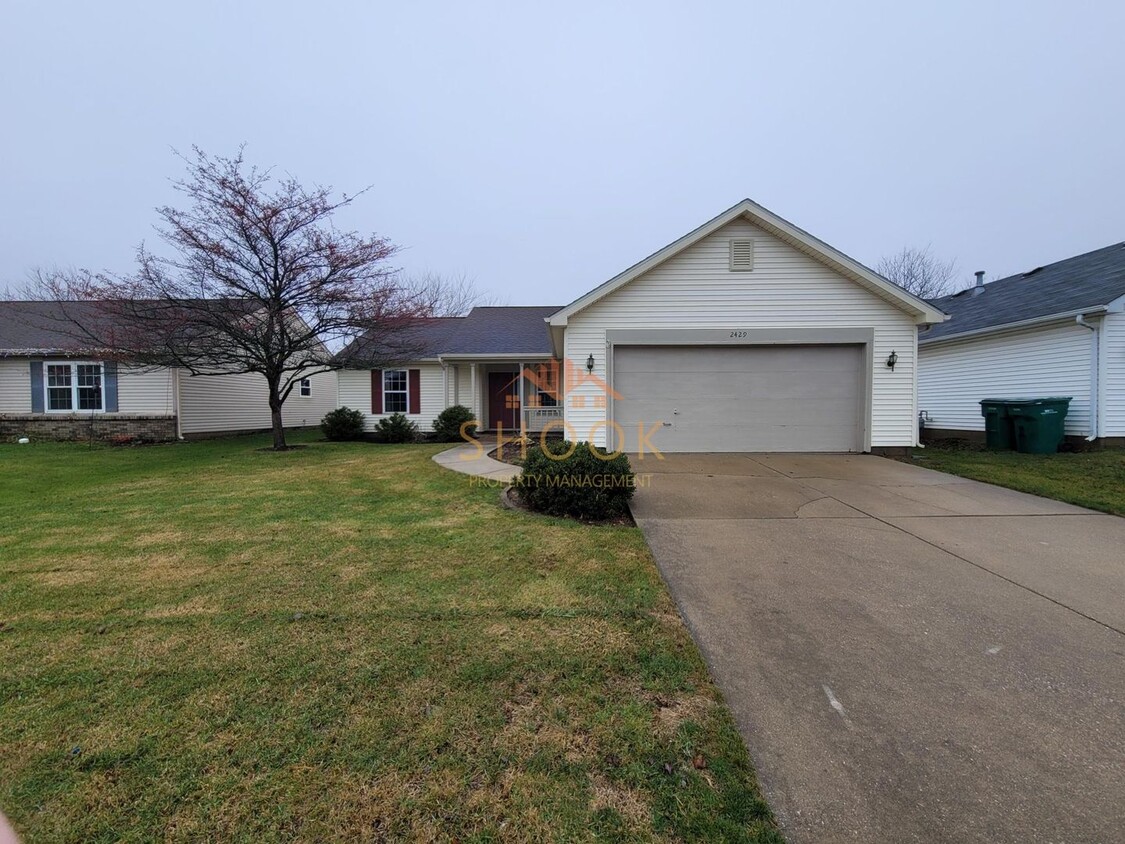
892	359
590	364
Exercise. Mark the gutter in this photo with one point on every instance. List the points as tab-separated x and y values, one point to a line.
1009	326
1095	386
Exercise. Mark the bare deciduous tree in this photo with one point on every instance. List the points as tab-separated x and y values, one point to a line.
919	271
257	280
447	295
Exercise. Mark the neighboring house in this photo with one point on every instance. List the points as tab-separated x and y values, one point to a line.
1057	330
50	388
747	334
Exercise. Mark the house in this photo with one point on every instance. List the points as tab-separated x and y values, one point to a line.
746	334
50	388
1057	330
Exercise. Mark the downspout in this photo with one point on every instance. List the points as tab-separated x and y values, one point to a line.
1095	386
176	402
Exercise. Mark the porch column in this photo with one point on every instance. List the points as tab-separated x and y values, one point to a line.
523	403
473	397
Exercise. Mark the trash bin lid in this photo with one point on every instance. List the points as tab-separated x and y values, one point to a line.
1028	400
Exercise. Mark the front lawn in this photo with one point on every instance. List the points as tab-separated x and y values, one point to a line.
1094	479
342	642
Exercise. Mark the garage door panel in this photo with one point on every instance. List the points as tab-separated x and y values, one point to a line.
740	398
707	388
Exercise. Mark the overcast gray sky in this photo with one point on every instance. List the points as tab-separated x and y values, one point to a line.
542	148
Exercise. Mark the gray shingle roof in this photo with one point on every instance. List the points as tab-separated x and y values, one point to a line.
1084	282
44	326
483	331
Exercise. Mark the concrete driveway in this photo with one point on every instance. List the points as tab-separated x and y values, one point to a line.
910	656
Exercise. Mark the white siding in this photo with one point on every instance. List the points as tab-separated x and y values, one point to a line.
15	385
145	392
355	392
1113	372
1052	360
465	395
216	403
787	289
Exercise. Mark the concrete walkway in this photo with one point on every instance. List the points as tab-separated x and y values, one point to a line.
910	656
473	459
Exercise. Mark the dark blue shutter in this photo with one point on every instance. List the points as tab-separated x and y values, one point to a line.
109	377
37	404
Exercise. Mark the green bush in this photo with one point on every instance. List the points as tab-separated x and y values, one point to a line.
576	480
447	426
396	428
343	423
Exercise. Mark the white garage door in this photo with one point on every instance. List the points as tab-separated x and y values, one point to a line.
740	398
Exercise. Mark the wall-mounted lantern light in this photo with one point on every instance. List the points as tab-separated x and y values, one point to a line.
590	364
892	359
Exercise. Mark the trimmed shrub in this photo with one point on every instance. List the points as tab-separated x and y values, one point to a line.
576	480
396	428
343	423
447	426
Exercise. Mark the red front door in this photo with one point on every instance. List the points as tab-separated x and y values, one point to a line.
504	400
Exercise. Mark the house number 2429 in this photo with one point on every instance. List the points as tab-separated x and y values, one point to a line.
737	335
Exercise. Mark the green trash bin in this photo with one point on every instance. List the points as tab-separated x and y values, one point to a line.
1039	424
998	433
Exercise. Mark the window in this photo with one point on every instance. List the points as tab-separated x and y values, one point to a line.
546	382
394	391
306	386
73	386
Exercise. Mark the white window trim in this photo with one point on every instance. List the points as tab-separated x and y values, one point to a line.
554	395
304	388
73	365
404	392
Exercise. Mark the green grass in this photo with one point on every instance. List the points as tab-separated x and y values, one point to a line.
1094	479
343	642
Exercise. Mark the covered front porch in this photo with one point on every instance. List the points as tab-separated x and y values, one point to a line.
521	394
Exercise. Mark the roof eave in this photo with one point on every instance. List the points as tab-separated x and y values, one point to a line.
1011	326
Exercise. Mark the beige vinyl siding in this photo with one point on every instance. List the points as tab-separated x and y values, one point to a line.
1051	360
15	385
355	392
1113	376
217	403
786	289
140	392
145	392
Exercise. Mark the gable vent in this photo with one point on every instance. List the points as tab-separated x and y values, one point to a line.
741	255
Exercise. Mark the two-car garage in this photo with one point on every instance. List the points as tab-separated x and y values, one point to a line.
778	397
747	334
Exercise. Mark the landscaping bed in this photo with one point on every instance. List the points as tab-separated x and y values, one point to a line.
207	642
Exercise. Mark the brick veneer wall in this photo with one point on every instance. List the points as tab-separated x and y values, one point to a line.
102	426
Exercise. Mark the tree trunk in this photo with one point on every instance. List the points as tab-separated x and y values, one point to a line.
276	420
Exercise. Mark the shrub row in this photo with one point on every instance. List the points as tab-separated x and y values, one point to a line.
346	423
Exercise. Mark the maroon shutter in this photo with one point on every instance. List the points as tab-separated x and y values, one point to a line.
376	391
414	397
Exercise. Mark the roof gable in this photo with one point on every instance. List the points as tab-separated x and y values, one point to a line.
922	311
1088	282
